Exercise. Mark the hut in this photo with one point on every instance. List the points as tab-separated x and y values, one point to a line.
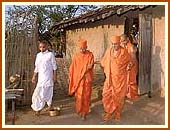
145	22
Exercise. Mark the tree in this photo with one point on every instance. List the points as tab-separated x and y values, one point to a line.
47	15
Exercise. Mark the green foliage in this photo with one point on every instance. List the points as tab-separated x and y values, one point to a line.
47	15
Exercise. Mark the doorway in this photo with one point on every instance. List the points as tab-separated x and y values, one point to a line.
139	29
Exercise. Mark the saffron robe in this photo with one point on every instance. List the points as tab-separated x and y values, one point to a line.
80	80
115	85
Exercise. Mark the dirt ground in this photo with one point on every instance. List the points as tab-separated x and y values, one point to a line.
143	111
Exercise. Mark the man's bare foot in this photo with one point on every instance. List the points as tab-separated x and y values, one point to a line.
47	108
107	117
83	117
117	116
37	113
89	110
129	101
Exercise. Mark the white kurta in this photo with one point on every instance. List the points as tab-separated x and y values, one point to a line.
45	63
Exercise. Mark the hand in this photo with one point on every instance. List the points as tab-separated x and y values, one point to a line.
54	78
71	94
90	66
68	81
129	66
33	80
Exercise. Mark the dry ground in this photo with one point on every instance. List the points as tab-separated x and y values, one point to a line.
144	111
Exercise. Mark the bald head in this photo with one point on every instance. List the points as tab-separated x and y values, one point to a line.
124	36
124	39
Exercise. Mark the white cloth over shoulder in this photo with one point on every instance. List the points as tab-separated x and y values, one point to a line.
45	64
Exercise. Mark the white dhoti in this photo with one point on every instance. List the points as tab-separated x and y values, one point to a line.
45	64
41	96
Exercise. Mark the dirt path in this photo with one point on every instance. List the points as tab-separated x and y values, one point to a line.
144	111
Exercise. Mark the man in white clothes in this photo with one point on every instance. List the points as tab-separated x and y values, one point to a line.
45	68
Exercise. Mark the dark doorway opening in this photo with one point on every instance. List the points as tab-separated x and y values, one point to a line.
131	29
